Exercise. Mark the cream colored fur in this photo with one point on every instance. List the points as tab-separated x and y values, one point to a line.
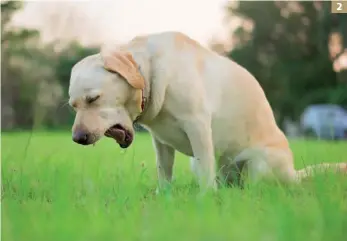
199	103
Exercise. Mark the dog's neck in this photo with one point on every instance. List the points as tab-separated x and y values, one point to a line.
144	68
143	58
145	95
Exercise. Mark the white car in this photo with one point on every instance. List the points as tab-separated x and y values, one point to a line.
324	121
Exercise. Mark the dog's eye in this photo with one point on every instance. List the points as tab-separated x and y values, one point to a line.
92	99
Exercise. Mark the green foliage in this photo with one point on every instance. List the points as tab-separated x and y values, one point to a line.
34	75
7	10
287	52
69	57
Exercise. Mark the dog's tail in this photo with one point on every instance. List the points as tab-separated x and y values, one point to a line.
309	171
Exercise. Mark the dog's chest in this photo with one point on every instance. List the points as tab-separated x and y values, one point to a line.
168	131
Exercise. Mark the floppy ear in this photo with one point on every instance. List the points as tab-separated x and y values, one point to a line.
123	63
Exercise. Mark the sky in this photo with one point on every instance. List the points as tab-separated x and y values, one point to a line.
121	20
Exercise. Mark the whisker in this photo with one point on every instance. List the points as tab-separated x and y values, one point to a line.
65	103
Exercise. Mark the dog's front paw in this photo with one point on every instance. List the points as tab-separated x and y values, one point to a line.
157	191
163	190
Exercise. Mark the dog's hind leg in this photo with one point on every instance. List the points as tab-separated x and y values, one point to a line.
229	172
267	163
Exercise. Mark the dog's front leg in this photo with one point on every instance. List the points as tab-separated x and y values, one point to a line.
165	159
200	136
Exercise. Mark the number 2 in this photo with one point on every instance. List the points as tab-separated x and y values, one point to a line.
339	6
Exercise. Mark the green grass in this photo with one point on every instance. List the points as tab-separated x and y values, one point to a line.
53	189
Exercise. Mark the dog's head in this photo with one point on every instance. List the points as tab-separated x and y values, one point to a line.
106	93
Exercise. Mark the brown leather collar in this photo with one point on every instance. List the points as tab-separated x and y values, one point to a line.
143	105
144	100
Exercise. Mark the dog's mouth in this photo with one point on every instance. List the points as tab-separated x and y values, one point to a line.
123	137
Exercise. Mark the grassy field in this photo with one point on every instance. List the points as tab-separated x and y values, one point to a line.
53	189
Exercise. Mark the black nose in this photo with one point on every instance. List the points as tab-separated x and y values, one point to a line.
81	137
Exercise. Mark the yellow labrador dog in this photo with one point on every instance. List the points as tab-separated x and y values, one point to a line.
192	100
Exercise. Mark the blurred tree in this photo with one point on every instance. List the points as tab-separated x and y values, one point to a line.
13	42
280	42
34	76
335	37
